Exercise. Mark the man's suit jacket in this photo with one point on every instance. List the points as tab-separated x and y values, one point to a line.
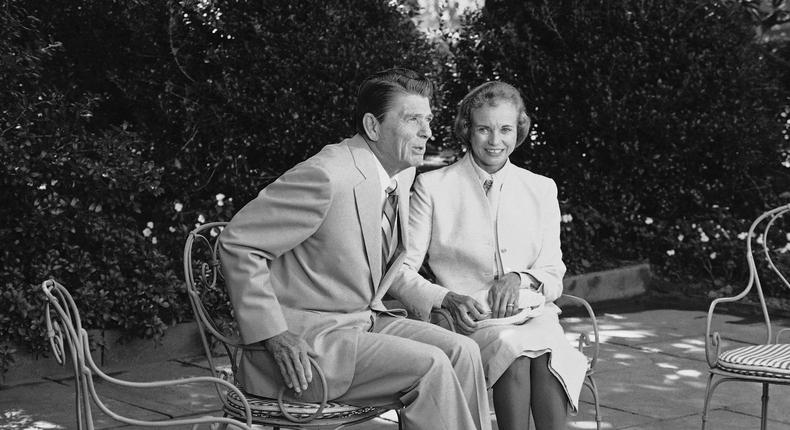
451	222
305	256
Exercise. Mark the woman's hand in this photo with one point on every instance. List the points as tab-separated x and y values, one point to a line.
503	295
465	310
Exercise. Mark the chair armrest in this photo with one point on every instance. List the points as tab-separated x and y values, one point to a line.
316	371
713	338
584	339
93	368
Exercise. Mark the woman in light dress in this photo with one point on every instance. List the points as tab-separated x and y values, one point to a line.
486	224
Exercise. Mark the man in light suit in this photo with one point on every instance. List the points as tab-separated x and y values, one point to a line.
308	261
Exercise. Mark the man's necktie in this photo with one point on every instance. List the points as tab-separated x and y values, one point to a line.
389	225
487	185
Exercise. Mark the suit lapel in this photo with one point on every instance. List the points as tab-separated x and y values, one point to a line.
366	196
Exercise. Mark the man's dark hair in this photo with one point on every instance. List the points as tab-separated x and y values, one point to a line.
377	91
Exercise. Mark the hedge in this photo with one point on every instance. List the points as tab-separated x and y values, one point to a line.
661	121
126	123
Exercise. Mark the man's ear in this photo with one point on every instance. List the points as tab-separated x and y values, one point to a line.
371	126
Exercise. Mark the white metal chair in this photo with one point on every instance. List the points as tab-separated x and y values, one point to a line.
766	363
586	345
64	329
213	314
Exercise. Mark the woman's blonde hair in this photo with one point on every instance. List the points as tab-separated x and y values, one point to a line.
490	93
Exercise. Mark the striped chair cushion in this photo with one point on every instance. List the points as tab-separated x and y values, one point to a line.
771	360
264	407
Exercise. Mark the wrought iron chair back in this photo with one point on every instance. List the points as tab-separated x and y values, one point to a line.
767	363
218	330
65	332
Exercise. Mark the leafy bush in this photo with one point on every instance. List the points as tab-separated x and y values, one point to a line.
660	121
128	122
125	123
70	198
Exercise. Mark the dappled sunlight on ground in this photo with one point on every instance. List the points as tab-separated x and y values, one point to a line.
610	332
691	345
614	316
614	326
610	327
18	419
589	425
623	356
653	364
651	374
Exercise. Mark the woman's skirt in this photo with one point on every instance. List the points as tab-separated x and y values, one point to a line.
501	345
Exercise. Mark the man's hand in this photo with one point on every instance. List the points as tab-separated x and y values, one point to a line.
466	311
290	352
503	295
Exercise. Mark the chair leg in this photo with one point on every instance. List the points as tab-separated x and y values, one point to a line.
764	412
594	390
709	395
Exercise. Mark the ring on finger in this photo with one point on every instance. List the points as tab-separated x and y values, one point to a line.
509	305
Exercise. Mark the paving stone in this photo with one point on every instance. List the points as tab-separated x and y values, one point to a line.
612	357
744	329
720	420
649	326
173	401
610	418
743	397
51	405
32	369
37	406
658	386
163	370
202	362
651	375
179	340
692	348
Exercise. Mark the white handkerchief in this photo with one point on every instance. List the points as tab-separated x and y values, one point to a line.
530	305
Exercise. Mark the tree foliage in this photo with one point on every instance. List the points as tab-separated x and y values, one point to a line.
659	119
125	123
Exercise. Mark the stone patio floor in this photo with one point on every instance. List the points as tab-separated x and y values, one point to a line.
651	375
